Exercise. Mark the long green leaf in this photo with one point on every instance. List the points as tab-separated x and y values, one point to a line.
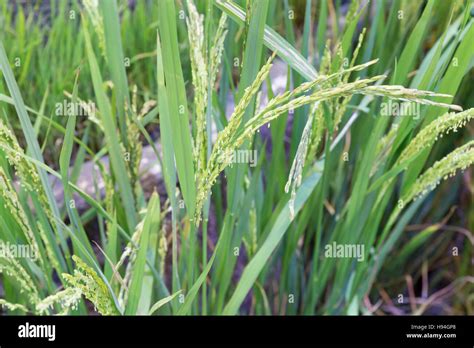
111	138
176	94
28	131
116	61
150	225
260	259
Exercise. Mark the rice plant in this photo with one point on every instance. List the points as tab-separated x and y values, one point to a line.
223	157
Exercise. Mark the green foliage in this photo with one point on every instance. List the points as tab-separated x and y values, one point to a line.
335	163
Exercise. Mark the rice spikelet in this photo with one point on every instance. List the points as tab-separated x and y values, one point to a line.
459	159
91	286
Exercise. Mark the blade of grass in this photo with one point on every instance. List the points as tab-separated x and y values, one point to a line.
255	266
150	225
116	62
64	165
162	302
169	172
112	141
176	95
28	131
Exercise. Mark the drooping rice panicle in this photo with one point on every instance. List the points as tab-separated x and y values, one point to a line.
321	81
129	253
92	9
68	299
200	76
232	137
409	94
459	159
27	173
133	151
217	48
48	248
10	267
13	306
443	125
29	179
221	152
321	95
296	172
91	286
162	250
12	203
131	246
